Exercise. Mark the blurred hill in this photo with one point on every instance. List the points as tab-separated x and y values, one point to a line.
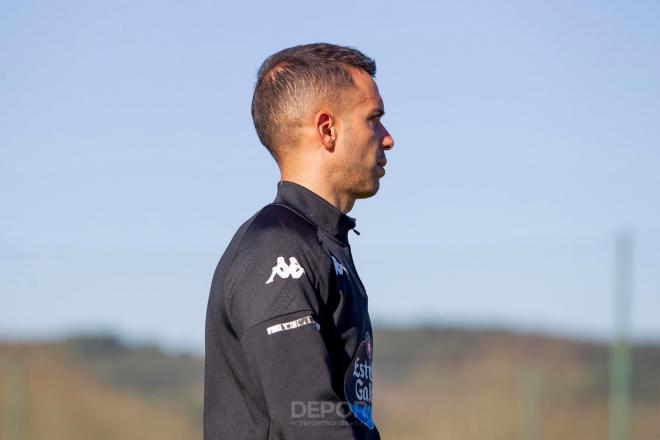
431	383
99	388
494	384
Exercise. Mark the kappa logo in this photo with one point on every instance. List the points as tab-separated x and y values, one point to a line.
339	268
293	269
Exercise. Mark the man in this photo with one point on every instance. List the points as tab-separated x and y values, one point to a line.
288	337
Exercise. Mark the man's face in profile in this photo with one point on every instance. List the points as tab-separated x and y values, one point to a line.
362	139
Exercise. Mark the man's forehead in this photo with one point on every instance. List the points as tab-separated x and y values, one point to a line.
370	100
366	91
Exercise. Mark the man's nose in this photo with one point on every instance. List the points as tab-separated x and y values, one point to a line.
388	140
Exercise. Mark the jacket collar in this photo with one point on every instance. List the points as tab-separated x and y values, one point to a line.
315	208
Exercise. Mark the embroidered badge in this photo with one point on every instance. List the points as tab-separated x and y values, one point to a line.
358	386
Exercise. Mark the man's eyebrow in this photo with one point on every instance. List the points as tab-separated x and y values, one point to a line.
378	111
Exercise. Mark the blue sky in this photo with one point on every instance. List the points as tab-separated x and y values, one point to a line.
526	136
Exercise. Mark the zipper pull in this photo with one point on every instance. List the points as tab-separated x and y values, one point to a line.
356	231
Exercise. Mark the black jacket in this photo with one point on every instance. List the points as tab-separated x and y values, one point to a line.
288	336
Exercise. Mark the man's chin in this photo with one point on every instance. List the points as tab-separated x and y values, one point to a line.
365	193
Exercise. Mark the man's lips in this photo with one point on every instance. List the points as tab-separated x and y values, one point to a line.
381	164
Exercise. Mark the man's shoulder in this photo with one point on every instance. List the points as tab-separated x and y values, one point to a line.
274	229
271	263
278	223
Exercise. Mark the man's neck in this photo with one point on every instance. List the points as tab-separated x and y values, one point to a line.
342	202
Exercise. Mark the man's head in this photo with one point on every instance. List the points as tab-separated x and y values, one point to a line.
317	110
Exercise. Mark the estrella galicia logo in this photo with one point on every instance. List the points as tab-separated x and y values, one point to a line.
358	386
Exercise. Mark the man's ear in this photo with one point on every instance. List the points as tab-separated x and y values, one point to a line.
326	129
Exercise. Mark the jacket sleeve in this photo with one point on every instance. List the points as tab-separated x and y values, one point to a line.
276	310
294	371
